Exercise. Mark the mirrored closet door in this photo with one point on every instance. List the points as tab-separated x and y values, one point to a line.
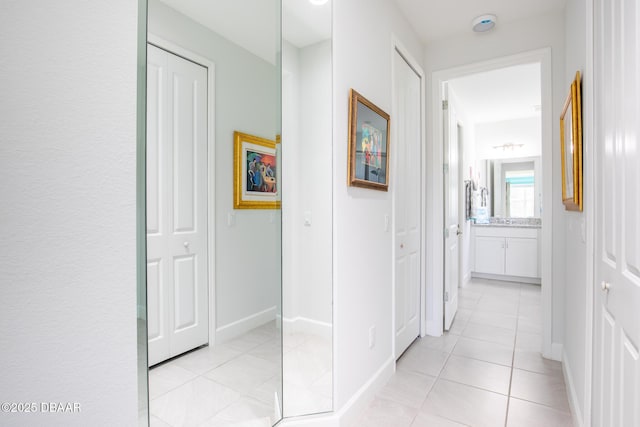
239	316
307	207
213	212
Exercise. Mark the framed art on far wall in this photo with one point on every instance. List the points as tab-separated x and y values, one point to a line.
255	163
368	144
571	147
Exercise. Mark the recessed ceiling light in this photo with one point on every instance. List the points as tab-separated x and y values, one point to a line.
318	2
484	23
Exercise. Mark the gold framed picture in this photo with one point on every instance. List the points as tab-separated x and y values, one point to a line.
368	164
571	147
255	173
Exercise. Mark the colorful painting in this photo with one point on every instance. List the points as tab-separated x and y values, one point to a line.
368	144
261	172
255	172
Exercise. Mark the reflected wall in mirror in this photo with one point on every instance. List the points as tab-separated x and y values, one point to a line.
307	208
515	188
213	273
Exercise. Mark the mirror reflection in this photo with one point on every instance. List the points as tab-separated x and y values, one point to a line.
307	209
516	190
213	272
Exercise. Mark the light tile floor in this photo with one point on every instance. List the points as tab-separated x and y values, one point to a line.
235	383
487	371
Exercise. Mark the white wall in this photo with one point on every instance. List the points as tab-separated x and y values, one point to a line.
510	39
68	211
307	105
577	263
527	131
362	248
247	94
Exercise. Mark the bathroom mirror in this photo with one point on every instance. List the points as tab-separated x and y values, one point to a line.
307	207
214	300
515	187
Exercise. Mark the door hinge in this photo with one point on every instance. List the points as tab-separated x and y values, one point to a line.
446	233
446	296
445	104
445	168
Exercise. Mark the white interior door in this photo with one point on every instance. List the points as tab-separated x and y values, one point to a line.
177	283
452	221
407	203
616	359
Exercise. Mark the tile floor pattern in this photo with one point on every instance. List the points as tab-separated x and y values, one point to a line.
234	384
486	371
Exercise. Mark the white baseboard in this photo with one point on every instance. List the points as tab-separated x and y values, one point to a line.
242	326
557	351
350	413
307	326
505	278
574	405
466	278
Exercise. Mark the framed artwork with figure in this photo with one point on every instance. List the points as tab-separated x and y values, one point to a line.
255	173
368	164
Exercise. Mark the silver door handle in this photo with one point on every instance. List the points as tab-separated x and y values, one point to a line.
605	286
186	244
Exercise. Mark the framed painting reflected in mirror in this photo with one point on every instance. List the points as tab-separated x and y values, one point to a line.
571	147
255	180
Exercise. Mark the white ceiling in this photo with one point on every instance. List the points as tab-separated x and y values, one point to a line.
504	94
253	24
438	19
304	24
248	23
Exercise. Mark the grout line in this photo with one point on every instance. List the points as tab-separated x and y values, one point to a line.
513	357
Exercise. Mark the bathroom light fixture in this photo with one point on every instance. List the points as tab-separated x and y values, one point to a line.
483	23
508	146
318	2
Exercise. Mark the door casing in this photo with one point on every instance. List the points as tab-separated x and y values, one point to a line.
210	66
435	255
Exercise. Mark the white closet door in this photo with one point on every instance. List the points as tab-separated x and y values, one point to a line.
177	279
407	204
616	356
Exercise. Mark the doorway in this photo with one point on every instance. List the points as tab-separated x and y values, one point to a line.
177	240
434	287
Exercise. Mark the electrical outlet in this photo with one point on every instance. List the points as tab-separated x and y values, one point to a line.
372	336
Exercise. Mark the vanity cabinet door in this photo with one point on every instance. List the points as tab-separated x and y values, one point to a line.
521	257
490	254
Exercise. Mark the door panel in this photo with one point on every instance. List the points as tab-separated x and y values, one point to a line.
407	204
177	205
452	219
490	255
521	257
617	296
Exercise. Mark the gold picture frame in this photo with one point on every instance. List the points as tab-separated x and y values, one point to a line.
368	164
571	147
255	172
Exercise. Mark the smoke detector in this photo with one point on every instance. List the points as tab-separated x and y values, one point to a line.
483	23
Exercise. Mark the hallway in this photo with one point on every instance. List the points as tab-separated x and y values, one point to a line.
487	371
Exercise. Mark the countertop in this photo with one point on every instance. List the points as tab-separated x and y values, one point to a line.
511	223
508	225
